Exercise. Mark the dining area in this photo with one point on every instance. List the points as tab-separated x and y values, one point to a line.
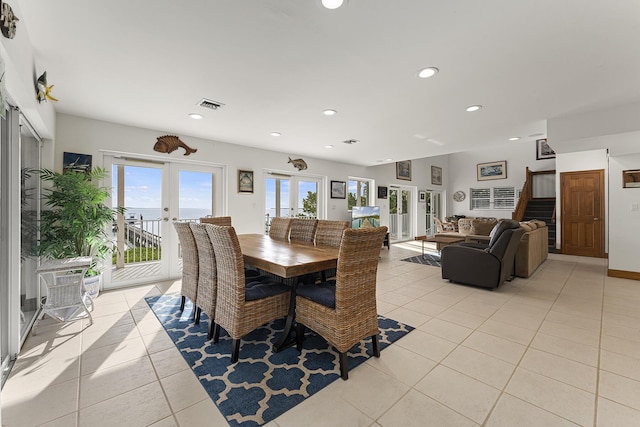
314	276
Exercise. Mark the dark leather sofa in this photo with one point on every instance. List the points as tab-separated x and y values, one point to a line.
484	265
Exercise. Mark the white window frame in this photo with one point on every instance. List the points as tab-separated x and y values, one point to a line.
370	184
498	198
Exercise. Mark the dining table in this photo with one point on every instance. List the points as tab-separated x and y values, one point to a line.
287	259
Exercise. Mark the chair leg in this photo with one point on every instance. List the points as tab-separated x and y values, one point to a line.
299	335
235	350
216	333
344	366
182	301
376	345
212	328
197	316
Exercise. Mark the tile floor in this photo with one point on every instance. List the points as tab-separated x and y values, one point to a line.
559	348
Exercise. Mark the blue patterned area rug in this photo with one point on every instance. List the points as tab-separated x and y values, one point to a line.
426	259
263	384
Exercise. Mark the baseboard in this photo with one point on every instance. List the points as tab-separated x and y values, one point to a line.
633	275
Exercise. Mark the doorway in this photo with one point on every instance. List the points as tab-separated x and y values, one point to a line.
155	194
582	207
292	196
433	210
401	201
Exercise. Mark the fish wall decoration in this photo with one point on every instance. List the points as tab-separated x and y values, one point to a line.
170	143
43	92
298	164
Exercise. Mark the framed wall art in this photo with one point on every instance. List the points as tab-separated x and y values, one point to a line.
338	190
382	192
245	181
492	170
543	151
436	175
403	170
76	161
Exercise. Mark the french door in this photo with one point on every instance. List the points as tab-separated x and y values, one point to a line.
434	209
155	194
401	202
292	196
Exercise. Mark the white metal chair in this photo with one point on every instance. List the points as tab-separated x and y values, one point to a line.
66	300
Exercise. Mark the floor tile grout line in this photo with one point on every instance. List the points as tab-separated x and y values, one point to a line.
503	391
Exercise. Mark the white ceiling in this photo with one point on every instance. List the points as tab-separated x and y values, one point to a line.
277	64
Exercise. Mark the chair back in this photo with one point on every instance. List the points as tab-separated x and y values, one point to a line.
230	275
501	235
329	233
190	263
357	269
280	228
217	220
207	277
303	229
442	227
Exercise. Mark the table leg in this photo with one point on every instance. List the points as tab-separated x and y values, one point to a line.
286	340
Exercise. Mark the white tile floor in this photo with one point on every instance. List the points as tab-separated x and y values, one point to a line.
559	348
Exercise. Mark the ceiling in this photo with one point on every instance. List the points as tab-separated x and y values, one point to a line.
277	64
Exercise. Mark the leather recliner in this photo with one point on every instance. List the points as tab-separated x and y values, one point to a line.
486	266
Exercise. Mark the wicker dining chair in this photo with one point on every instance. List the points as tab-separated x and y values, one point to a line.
303	230
344	311
280	228
216	220
207	277
329	233
241	307
190	266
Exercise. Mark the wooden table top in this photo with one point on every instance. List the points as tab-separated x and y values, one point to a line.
286	259
445	239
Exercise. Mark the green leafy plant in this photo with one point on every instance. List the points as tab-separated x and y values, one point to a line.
75	219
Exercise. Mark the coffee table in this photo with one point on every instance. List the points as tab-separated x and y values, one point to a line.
440	241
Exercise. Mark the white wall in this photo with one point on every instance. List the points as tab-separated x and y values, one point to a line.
21	73
581	161
624	222
87	136
463	174
385	176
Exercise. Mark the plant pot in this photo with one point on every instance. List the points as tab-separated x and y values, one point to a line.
92	285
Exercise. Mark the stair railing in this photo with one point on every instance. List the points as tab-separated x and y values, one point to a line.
525	196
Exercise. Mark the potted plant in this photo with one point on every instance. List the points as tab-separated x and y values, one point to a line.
76	219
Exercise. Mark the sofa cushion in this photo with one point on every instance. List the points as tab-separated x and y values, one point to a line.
483	227
526	226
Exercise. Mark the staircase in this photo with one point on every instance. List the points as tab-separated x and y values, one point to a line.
542	209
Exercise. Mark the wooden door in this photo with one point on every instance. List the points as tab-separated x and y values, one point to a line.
582	207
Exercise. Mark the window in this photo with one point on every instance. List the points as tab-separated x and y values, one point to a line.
358	192
493	198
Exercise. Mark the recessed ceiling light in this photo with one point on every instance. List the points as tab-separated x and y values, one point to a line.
332	4
351	141
196	116
328	146
514	138
388	160
329	112
275	134
425	73
473	108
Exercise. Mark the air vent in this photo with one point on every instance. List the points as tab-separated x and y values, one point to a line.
208	103
351	141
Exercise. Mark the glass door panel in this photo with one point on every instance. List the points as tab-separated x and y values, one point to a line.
139	235
400	217
29	214
307	199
